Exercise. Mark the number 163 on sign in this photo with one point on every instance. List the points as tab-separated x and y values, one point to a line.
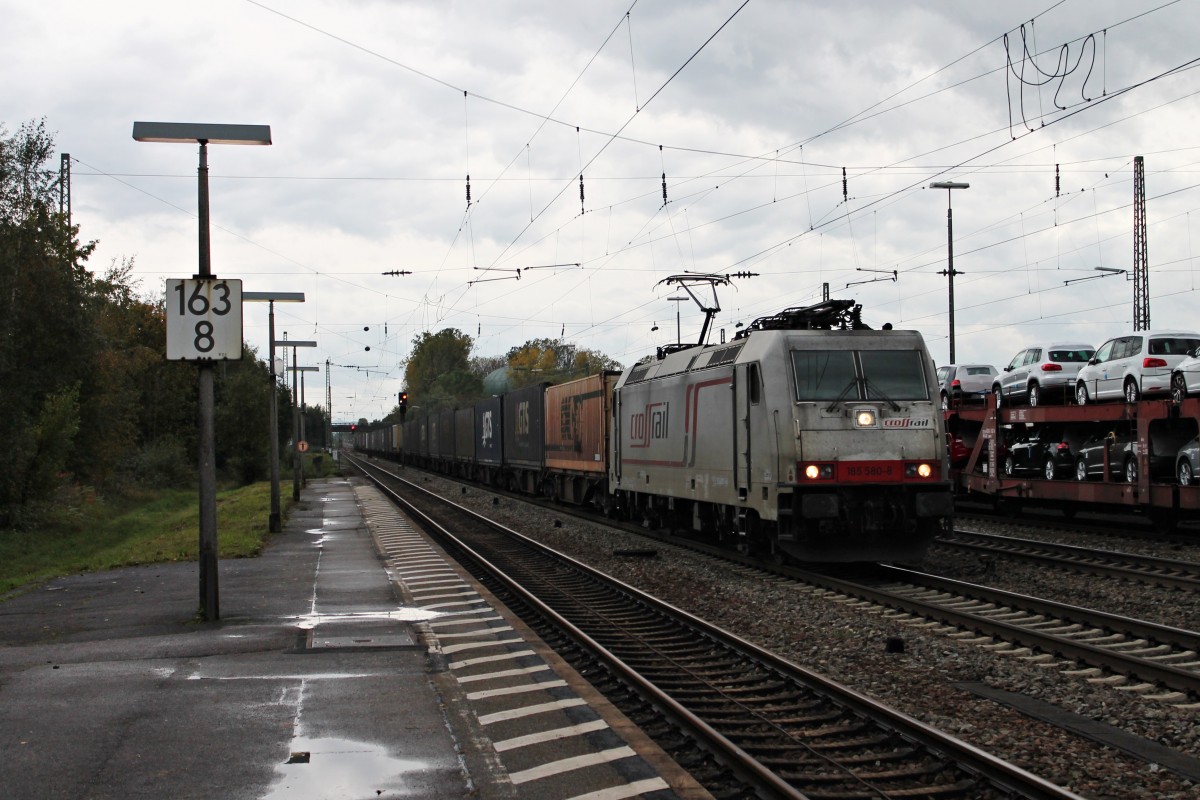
204	319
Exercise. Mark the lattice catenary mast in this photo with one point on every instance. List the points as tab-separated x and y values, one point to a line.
1141	261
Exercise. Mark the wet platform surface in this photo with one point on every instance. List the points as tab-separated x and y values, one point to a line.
351	660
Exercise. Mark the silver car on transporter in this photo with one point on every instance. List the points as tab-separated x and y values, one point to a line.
961	382
1040	373
1134	365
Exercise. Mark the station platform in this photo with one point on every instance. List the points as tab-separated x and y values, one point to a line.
352	660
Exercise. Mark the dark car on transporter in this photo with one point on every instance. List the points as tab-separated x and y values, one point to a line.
1046	453
1122	456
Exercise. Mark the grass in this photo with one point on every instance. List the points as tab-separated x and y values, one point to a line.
149	527
89	533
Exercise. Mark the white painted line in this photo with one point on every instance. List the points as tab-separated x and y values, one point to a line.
421	597
458	648
470	662
439	573
479	632
435	582
436	606
627	790
529	711
550	736
508	673
570	764
466	619
530	687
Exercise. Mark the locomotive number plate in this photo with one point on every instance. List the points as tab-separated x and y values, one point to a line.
870	471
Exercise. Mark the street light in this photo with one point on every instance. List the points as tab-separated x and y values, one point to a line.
949	271
203	134
294	343
274	522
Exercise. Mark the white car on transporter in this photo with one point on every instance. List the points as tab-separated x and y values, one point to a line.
1185	379
1134	365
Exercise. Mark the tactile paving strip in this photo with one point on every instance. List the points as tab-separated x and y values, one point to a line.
548	738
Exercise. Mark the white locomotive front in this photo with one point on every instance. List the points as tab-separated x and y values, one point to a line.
809	434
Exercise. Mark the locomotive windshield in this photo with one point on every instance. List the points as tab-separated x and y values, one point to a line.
859	375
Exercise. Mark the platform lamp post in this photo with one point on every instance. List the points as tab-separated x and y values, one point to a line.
205	134
302	433
274	522
949	271
294	343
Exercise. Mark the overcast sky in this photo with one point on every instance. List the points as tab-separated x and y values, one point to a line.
380	110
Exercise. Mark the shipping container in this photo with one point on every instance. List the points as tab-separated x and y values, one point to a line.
464	435
489	428
577	423
523	436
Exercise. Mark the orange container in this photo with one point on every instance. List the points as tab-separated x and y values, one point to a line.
577	423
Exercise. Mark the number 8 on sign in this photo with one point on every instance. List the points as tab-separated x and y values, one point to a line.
204	319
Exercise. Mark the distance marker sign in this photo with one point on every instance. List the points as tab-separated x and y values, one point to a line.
204	319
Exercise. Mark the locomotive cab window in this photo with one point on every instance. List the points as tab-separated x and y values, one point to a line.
859	375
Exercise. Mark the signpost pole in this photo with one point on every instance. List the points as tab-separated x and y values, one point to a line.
207	329
209	598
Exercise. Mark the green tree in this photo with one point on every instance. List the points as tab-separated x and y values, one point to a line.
553	361
47	326
438	374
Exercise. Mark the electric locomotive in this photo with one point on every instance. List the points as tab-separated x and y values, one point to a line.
809	434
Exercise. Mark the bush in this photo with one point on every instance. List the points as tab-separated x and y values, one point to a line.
160	464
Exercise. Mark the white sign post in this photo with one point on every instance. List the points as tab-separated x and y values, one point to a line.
204	319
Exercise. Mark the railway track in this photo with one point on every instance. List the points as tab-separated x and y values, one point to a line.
1171	573
780	729
1161	662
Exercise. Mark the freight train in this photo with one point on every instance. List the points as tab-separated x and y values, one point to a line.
808	435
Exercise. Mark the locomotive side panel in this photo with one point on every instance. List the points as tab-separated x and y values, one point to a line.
675	436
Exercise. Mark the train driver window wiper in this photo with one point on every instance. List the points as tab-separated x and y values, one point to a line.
882	394
842	396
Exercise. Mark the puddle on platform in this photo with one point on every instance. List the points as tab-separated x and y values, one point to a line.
340	768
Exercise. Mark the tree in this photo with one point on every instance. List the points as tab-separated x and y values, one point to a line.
553	361
438	374
47	330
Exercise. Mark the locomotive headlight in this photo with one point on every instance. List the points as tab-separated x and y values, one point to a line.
864	418
817	472
918	469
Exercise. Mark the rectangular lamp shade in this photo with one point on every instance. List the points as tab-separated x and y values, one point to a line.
213	133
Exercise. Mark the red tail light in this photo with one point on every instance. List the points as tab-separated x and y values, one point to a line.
956	384
1064	446
1050	366
1147	363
